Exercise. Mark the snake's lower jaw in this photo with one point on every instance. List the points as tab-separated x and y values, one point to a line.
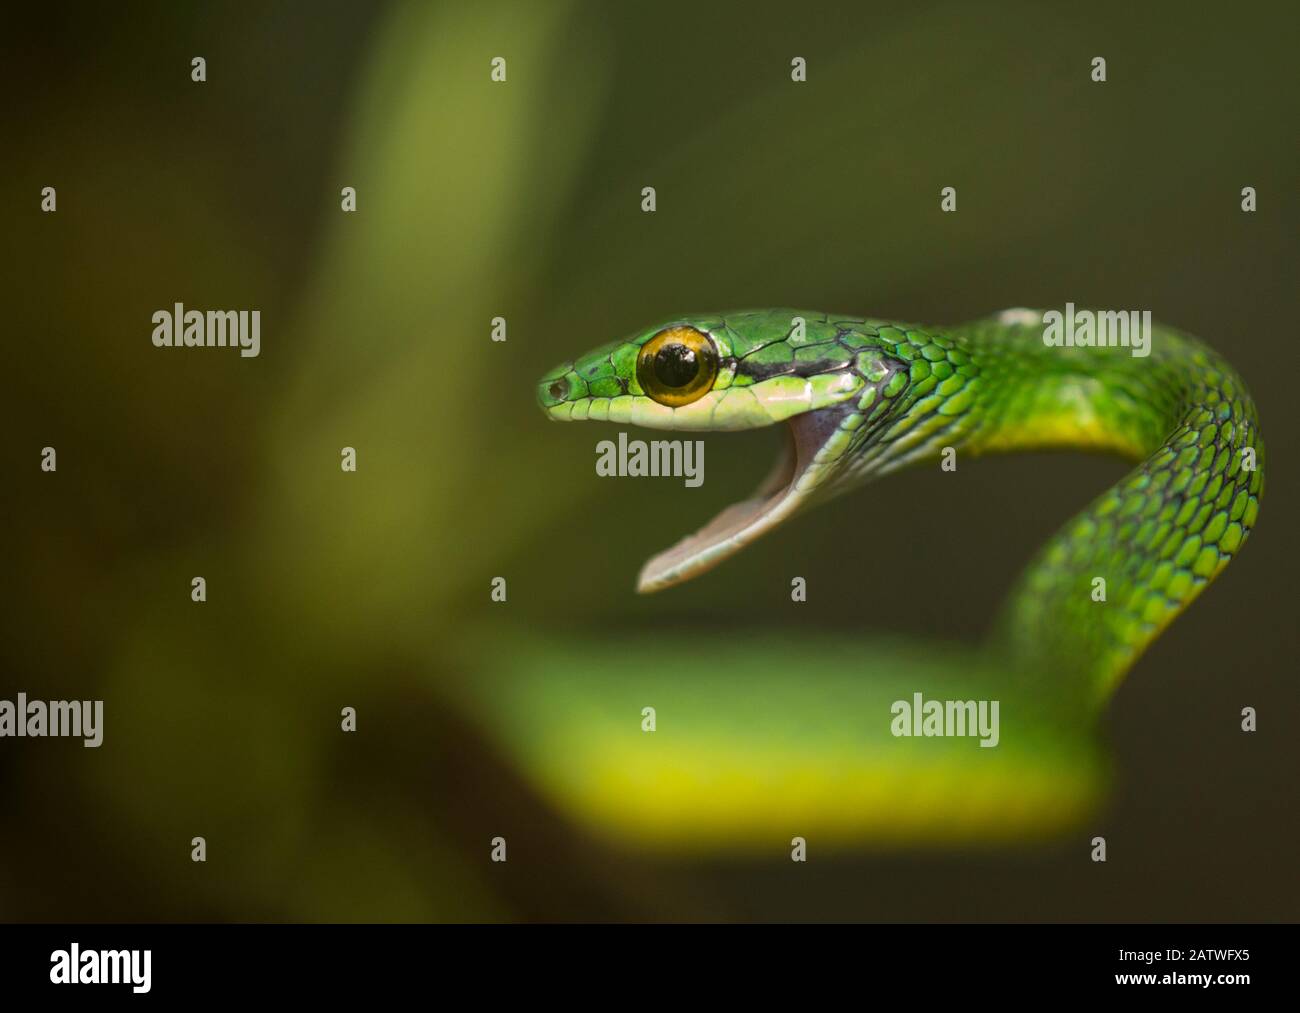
785	489
726	534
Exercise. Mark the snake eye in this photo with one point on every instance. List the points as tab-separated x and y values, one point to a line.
677	366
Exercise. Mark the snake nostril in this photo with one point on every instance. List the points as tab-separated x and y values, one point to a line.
557	390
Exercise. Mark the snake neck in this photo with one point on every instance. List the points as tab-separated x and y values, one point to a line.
1109	582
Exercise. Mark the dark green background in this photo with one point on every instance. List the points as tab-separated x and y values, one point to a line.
522	200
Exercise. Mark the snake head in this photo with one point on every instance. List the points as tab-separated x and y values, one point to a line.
832	381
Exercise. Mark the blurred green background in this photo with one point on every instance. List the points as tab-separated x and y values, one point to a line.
521	200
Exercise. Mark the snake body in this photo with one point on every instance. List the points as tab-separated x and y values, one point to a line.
862	398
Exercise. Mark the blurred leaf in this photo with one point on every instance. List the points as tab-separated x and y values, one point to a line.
457	180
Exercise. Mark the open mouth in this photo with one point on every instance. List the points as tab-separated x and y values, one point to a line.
796	474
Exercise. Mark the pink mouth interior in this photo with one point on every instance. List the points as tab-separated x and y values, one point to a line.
739	524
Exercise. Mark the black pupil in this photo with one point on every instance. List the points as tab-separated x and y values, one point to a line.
676	365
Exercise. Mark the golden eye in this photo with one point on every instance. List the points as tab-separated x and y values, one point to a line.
677	366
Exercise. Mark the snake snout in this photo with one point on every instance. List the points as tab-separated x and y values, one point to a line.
555	388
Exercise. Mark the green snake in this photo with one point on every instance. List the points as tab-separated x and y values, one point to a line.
774	734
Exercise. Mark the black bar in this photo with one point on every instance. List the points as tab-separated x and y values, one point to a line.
372	961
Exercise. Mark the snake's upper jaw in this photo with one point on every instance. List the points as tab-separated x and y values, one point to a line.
795	476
